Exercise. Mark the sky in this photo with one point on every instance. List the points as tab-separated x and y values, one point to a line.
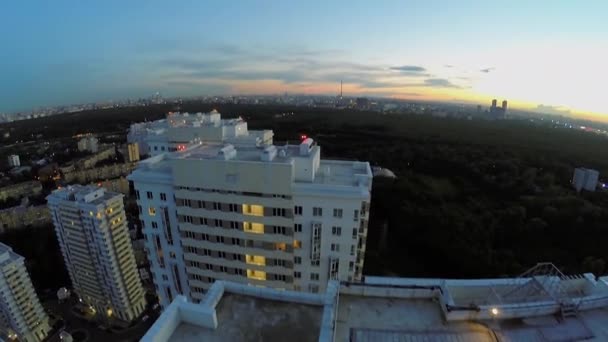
536	54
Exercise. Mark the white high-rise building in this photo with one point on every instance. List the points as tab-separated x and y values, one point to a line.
13	161
180	129
92	231
21	314
585	179
275	216
90	144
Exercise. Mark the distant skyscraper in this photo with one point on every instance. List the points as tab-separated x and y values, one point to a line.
504	106
494	103
91	228
21	315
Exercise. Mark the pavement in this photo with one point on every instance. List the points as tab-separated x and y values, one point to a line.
74	322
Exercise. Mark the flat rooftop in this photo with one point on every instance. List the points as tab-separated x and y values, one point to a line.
366	318
245	318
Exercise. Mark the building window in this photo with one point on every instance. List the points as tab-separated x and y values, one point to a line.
279	262
280	277
188	219
351	266
139	210
279	230
149	195
255	274
163	196
172	255
236	241
252	227
216	205
297	275
137	194
297	227
354	233
232	207
223	269
255	259
209	267
165	278
279	212
313	288
297	260
316	211
220	239
338	213
335	247
152	211
297	210
314	276
356	215
221	254
297	244
253	210
336	231
352	250
314	263
234	225
154	224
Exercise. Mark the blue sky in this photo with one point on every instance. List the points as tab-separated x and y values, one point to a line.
530	52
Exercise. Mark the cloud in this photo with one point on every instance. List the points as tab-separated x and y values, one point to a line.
408	68
487	70
552	109
439	83
448	66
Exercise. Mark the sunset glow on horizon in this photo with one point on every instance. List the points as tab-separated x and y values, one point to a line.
535	55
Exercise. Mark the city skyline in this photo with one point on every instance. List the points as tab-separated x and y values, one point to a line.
536	55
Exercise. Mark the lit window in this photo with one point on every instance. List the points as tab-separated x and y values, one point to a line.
152	211
254	274
90	213
297	244
255	259
253	210
280	246
252	227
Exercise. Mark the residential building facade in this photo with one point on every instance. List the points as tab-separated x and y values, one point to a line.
21	314
92	231
275	216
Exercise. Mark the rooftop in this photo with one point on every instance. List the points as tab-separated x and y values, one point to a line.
394	309
245	318
330	172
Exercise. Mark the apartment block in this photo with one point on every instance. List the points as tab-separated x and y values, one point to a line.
180	129
259	214
92	231
21	314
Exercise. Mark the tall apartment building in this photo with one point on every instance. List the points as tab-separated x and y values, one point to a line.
180	129
21	315
267	215
91	228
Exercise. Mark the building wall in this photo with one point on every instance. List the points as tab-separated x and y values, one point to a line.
226	250
31	188
21	217
104	172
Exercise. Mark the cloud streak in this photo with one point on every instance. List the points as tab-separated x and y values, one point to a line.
296	67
